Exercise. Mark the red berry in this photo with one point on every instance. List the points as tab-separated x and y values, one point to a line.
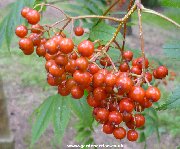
61	60
33	17
124	67
79	31
26	45
99	94
82	63
25	11
92	68
105	61
92	102
127	117
137	94
37	29
161	72
48	64
82	78
148	76
49	56
119	133
136	70
128	55
98	79
35	39
51	47
21	31
86	48
108	128
139	120
66	45
115	117
153	94
126	105
132	135
110	79
56	71
102	115
123	84
62	90
139	62
70	83
77	92
40	50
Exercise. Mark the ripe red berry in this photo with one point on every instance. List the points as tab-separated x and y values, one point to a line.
148	76
136	70
139	120
77	92
137	94
119	133
92	102
35	39
53	81
127	117
124	67
153	94
123	84
37	29
110	79
82	63
92	68
105	61
71	66
132	135
49	56
161	72
33	17
98	79
115	117
102	115
66	45
126	105
26	45
139	62
62	90
86	48
82	78
51	47
61	60
99	94
79	31
25	11
21	31
128	55
70	83
108	128
40	50
48	64
56	71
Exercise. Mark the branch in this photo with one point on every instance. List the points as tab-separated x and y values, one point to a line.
160	15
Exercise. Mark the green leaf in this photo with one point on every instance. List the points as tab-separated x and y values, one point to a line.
61	117
13	19
103	32
43	118
173	101
172	50
82	110
170	3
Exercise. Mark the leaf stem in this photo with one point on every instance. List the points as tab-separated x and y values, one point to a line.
146	10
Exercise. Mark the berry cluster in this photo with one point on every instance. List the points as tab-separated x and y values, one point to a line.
117	96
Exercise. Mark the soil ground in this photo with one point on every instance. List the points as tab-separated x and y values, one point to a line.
22	100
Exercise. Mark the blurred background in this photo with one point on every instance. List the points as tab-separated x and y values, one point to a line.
25	84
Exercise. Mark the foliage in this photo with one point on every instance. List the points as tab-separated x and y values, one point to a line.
9	23
55	109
